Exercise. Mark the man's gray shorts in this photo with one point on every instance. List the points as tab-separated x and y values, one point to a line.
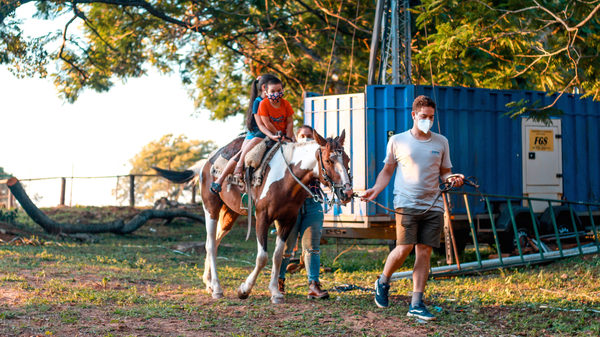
414	228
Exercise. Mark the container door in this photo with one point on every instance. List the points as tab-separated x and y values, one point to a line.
329	116
542	161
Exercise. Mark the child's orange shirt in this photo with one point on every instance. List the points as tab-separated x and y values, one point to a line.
279	115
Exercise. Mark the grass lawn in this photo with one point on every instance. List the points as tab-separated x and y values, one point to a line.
139	285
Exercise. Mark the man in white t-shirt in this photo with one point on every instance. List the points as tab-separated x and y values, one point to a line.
422	158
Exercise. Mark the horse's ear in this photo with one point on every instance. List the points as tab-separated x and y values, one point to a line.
318	138
342	137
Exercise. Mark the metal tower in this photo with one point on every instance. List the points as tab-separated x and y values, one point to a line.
392	37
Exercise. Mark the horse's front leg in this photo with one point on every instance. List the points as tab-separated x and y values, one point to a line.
261	259
276	295
210	277
282	233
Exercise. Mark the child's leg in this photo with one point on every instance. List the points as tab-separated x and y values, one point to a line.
239	168
229	167
215	187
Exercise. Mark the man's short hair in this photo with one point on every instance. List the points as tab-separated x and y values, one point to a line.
422	101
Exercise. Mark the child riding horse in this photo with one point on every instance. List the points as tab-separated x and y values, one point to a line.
278	198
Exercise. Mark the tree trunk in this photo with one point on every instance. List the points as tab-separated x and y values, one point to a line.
117	226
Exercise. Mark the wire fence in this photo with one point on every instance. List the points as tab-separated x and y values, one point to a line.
114	190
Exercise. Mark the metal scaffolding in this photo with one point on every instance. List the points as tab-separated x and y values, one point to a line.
392	37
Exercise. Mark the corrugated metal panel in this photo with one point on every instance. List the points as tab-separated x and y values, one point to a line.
330	115
483	142
581	151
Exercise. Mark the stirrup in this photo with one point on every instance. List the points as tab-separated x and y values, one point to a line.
215	187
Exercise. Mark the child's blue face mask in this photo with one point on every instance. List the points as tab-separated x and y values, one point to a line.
275	96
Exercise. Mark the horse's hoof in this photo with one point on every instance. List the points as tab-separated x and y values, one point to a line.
217	296
277	300
242	295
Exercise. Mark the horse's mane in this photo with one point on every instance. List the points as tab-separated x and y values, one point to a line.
289	148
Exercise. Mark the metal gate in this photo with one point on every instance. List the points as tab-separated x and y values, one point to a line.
564	229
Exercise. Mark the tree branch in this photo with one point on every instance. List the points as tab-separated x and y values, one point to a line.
62	47
339	17
158	13
81	15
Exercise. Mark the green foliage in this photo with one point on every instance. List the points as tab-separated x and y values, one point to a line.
537	111
169	152
510	45
8	215
218	47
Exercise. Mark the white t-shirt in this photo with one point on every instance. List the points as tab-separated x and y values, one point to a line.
418	171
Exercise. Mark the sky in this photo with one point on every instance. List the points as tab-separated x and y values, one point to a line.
44	136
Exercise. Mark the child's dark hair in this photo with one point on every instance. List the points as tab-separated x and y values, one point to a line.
255	91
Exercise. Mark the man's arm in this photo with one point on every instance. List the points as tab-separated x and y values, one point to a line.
383	179
457	181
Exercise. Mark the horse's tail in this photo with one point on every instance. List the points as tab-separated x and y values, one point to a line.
181	177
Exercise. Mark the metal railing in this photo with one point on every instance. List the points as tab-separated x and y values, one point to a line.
584	233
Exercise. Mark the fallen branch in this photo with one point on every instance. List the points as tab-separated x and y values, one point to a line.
14	229
117	226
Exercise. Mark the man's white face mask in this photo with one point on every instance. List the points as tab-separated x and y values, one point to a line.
424	125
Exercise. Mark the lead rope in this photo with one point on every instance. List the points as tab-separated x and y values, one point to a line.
444	187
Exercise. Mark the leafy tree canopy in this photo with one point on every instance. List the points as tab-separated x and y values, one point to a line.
217	47
536	45
169	152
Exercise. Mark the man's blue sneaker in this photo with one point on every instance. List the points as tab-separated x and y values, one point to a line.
381	294
420	312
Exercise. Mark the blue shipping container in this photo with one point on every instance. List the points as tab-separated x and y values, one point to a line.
483	141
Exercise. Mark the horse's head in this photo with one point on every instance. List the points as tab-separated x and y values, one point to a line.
333	165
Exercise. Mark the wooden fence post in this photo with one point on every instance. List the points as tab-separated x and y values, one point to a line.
9	200
63	184
131	190
194	194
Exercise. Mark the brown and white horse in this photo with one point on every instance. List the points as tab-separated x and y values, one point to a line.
278	199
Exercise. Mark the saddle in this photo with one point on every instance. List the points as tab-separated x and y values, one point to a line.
256	160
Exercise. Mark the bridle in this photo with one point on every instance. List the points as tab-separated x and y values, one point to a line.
336	188
320	197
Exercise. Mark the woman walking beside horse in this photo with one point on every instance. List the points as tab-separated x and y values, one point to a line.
308	226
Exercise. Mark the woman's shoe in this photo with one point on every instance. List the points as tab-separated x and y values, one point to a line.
315	291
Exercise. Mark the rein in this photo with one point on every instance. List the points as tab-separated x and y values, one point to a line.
315	196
